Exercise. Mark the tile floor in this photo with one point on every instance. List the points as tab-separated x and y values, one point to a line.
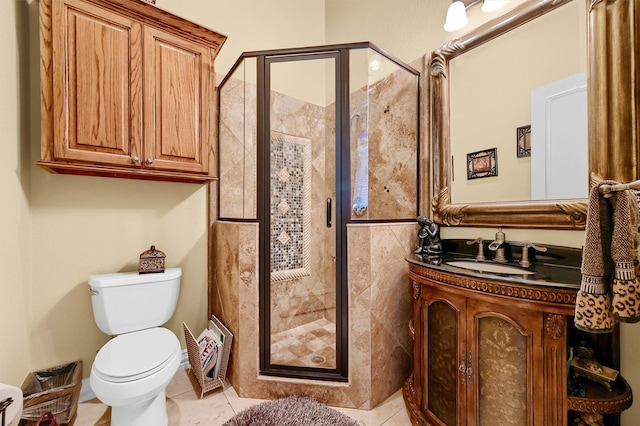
309	345
185	408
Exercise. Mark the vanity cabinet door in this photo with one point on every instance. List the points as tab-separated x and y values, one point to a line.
444	372
479	360
97	90
502	346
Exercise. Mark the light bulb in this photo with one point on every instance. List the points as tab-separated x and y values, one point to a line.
491	5
456	17
375	63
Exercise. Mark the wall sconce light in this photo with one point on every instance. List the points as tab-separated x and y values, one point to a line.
456	17
457	12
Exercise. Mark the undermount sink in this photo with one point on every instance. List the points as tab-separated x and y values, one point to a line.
496	268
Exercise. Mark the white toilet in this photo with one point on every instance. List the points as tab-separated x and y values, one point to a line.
130	372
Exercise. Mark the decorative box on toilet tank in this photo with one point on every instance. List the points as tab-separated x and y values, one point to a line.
151	261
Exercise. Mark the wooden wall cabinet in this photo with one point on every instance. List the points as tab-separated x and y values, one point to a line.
127	91
487	350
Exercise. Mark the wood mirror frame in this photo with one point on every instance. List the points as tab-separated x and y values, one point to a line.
612	115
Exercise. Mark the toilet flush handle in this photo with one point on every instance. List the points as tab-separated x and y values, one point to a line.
93	292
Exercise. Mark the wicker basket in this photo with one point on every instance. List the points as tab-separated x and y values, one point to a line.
208	384
55	389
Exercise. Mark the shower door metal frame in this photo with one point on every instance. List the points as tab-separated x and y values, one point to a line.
342	212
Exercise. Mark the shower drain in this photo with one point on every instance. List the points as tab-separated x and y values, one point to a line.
318	359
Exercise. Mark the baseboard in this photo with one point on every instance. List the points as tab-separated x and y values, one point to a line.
87	394
184	361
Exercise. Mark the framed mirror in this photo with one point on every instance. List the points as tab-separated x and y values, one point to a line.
611	110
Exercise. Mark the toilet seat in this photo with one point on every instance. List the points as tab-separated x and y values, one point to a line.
133	356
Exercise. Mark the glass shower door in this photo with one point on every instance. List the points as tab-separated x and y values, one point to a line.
303	324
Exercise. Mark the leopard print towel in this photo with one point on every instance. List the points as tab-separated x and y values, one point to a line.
593	303
609	289
625	289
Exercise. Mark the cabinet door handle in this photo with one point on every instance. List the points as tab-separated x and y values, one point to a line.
135	159
463	366
469	369
329	212
149	160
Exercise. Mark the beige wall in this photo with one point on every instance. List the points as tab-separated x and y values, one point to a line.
57	230
254	25
15	217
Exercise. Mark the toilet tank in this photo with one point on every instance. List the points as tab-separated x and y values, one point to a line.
127	301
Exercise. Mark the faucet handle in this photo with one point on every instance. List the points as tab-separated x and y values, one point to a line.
480	242
525	252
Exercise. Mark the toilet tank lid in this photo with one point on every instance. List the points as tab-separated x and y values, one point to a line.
122	278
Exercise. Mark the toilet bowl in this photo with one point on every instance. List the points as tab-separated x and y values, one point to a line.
130	373
132	370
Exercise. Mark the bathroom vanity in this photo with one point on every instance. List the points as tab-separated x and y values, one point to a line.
492	345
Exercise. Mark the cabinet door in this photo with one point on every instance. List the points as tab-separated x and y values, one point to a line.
178	95
502	342
97	75
444	372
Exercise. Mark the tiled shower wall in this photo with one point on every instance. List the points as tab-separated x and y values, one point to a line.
387	112
380	307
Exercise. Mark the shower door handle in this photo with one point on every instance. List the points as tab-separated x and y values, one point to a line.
329	212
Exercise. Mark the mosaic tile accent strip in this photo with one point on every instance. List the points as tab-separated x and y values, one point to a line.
290	206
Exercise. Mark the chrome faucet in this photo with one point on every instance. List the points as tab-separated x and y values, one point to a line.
498	246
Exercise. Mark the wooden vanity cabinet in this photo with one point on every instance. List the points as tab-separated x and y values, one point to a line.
127	91
487	350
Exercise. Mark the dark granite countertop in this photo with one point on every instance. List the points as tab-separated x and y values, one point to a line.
557	267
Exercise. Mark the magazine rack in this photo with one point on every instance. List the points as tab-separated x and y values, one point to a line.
208	384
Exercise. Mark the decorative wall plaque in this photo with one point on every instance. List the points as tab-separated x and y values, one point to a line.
482	163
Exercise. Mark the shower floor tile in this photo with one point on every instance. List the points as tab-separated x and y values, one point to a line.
308	345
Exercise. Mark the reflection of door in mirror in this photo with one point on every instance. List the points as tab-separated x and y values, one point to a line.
490	98
559	164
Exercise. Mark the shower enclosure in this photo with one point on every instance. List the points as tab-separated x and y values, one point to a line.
313	141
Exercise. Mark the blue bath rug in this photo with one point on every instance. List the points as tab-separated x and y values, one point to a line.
296	410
